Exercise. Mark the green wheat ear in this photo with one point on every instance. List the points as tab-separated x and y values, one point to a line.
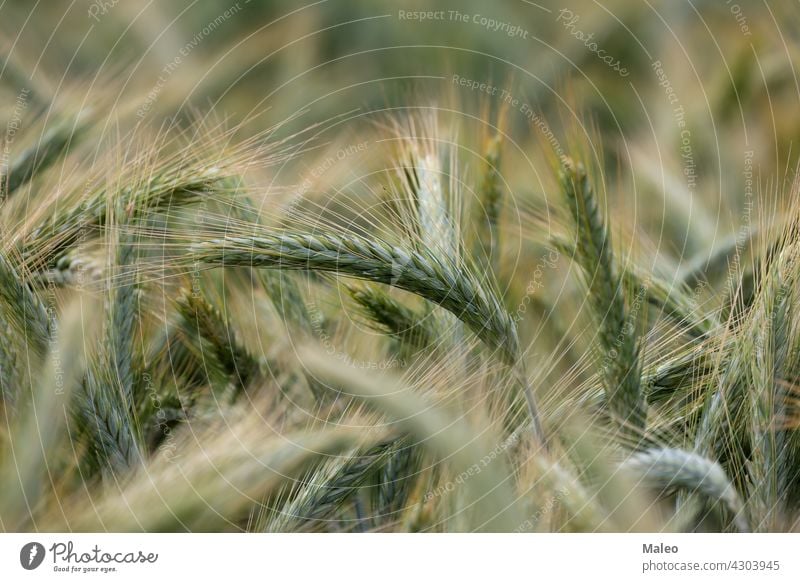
104	409
420	271
330	487
491	198
412	330
52	146
671	300
23	311
214	339
617	337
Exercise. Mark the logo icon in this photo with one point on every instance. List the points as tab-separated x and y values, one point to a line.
31	555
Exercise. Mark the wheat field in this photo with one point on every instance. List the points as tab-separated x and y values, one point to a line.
363	267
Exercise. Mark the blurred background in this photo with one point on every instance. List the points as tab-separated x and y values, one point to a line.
729	64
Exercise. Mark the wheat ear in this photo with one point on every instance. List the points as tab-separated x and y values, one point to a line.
54	144
22	308
618	339
421	272
329	489
670	469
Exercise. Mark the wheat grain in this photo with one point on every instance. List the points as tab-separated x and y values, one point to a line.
123	313
102	417
48	241
420	272
671	300
396	480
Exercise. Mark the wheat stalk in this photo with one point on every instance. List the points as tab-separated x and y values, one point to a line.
123	313
103	417
54	236
396	480
279	286
106	402
8	367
